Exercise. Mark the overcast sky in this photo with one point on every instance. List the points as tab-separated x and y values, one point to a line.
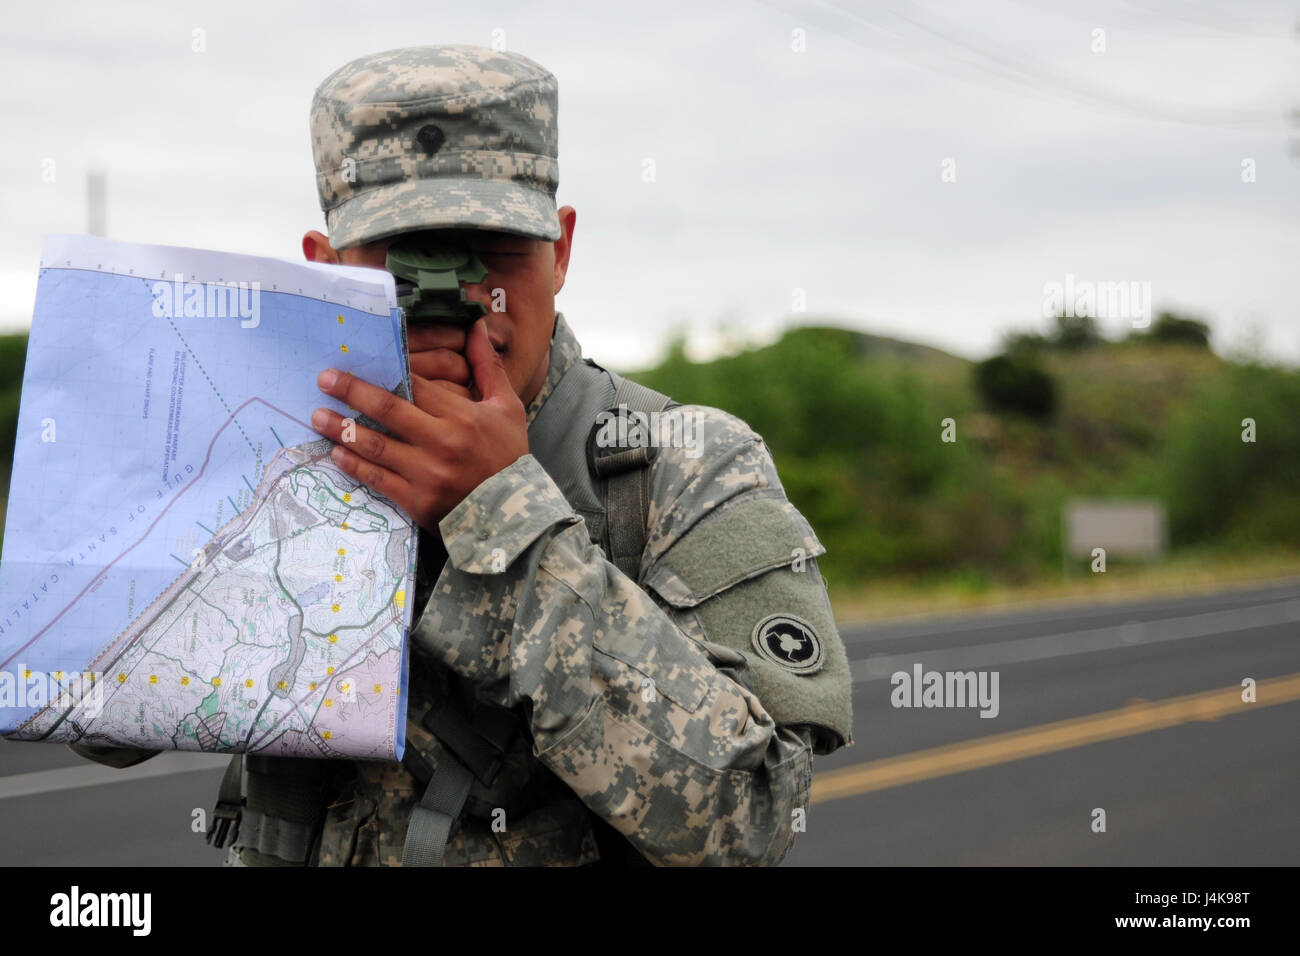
1111	156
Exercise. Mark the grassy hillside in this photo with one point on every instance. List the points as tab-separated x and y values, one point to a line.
854	423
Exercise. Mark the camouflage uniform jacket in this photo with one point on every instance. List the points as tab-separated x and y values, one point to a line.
639	699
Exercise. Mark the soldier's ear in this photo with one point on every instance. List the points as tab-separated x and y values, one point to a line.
563	245
316	247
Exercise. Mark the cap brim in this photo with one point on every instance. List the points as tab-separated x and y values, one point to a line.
443	204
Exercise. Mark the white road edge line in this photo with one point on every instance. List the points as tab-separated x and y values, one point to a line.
863	633
1130	634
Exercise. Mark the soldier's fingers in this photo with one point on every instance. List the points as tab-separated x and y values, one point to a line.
452	387
374	446
375	477
423	337
395	414
432	395
440	363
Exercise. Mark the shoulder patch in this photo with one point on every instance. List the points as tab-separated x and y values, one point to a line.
790	642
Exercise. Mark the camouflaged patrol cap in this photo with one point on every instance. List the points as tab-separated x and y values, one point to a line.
436	137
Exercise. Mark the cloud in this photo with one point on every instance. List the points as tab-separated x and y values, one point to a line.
775	170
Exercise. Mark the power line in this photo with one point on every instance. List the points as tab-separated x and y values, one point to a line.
1026	74
1095	14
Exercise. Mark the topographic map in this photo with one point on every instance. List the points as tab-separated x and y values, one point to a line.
184	567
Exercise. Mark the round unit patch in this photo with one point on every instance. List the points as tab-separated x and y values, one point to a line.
784	639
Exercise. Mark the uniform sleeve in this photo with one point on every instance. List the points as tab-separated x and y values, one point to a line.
654	725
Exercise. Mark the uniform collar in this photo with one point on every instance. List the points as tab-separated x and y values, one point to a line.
565	351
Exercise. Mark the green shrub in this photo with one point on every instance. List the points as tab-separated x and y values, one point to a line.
1220	487
1170	329
1016	383
1074	332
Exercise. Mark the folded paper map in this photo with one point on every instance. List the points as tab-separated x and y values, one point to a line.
184	567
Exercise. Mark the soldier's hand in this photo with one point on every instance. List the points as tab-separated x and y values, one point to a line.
443	445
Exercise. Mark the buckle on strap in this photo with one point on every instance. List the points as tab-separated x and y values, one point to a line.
619	443
479	743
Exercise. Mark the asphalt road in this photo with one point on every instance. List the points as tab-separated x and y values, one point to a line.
1217	783
1107	707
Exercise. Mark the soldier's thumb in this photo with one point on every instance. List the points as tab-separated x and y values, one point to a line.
489	371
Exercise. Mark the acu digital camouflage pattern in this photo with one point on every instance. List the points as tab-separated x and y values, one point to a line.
436	137
634	713
639	695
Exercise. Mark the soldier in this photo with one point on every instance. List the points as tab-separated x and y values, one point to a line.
622	650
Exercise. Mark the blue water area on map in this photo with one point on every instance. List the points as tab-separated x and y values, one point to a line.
139	436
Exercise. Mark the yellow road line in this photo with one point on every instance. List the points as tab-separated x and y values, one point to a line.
1138	718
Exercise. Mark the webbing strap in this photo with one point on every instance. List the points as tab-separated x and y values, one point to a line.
230	800
478	744
288	840
638	397
436	814
628	493
471	748
626	474
285	806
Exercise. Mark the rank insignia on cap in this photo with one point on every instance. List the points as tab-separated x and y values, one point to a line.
784	639
431	137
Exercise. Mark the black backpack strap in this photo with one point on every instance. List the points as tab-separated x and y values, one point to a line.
230	803
471	748
623	470
280	820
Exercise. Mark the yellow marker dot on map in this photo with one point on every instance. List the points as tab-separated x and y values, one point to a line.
153	678
334	608
340	320
327	735
216	682
248	683
343	348
329	670
58	675
334	638
283	685
344	526
379	688
338	577
342	551
329	702
347	496
400	599
27	673
312	686
121	678
185	682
